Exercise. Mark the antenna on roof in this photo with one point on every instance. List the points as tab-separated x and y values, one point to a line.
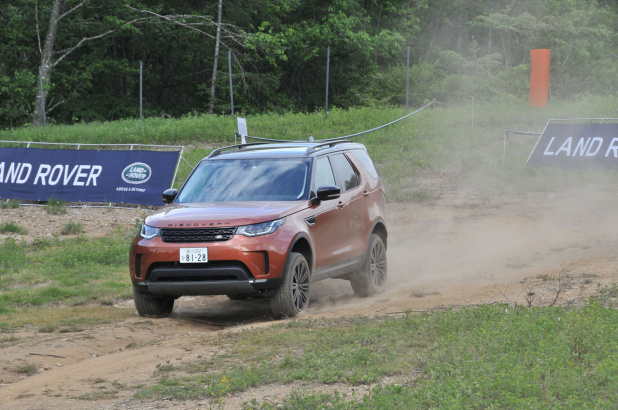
310	139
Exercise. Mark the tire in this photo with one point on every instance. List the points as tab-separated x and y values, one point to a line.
371	279
237	296
293	295
150	305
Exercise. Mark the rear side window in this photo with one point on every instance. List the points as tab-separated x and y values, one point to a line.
346	174
367	163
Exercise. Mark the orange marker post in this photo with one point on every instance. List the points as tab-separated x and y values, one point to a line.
539	76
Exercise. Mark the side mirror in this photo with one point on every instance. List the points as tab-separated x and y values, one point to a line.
326	193
169	195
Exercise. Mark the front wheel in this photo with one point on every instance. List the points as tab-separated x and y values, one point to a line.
293	295
371	279
150	305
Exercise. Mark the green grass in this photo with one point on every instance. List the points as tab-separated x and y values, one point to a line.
9	204
72	271
72	228
488	356
56	206
11	227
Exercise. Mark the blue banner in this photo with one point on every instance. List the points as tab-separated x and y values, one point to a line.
134	177
577	145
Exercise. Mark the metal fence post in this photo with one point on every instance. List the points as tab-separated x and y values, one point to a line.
327	74
229	66
141	117
408	79
476	66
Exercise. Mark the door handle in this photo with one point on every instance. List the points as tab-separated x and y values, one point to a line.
365	194
340	204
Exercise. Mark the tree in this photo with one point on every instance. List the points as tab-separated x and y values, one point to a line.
107	24
216	59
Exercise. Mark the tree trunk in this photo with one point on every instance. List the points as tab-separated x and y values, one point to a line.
216	62
46	58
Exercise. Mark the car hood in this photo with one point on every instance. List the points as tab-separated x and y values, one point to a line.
222	213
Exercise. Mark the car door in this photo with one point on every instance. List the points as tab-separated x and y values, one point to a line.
328	226
352	195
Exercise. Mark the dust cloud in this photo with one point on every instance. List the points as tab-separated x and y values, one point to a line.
461	248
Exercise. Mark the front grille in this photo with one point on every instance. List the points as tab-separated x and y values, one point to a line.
197	235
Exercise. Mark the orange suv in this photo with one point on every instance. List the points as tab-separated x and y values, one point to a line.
265	220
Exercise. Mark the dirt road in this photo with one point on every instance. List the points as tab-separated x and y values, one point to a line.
458	250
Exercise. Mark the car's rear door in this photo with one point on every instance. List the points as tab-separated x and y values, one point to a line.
328	226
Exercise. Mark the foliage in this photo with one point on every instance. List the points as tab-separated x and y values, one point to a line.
72	228
11	227
9	204
280	63
56	206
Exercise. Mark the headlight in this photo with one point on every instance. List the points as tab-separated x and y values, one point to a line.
148	232
263	228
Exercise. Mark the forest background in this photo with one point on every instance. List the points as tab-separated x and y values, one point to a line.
89	53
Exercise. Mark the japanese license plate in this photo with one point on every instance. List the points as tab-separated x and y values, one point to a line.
193	255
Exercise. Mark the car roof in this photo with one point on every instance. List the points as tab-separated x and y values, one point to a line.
283	149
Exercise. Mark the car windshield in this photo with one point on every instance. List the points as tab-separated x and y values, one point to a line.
262	179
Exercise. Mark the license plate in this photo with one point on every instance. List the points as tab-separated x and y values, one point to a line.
193	255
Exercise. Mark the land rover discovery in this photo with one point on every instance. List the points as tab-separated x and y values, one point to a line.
265	220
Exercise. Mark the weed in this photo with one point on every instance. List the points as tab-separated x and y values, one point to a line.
11	227
72	228
423	293
8	340
56	206
98	395
71	329
9	204
167	367
48	328
27	369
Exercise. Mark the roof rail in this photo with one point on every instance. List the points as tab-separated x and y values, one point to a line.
325	145
218	151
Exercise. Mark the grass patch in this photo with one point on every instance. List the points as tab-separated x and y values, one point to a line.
423	293
48	318
9	340
100	394
11	227
74	271
56	206
28	369
487	356
50	328
9	204
72	228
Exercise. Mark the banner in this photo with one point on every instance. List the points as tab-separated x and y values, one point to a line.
577	145
134	177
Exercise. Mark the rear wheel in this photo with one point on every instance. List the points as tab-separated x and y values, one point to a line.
371	279
293	295
150	305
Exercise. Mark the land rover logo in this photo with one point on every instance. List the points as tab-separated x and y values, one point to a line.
136	173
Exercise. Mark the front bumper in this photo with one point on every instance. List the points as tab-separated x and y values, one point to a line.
241	265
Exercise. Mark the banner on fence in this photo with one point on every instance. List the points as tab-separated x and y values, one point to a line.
119	176
577	145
